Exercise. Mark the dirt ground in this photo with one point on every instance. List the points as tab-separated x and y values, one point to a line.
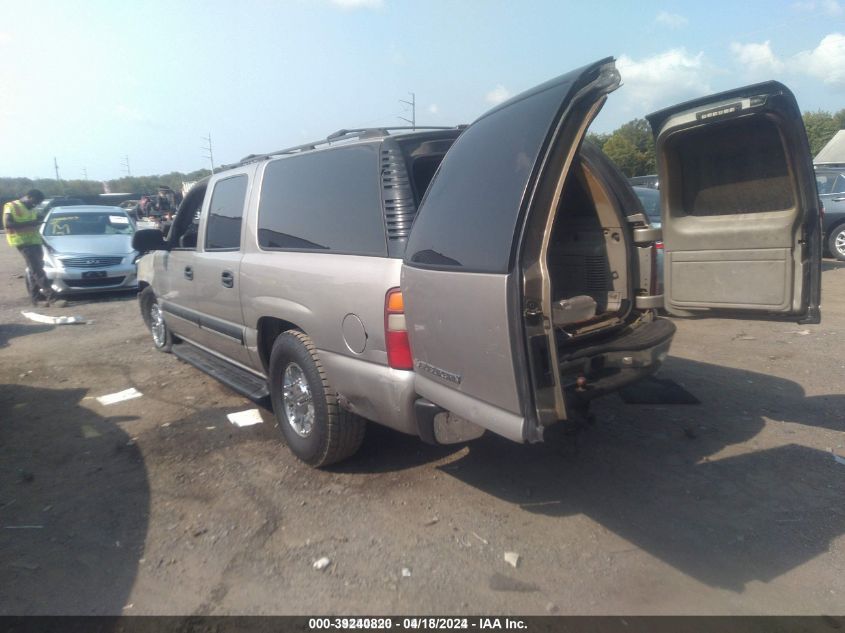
159	505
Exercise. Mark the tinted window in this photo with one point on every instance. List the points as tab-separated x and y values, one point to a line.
327	201
469	215
226	213
422	158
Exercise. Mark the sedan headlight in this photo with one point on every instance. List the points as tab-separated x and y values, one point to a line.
51	260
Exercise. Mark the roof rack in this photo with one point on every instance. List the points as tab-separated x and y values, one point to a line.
340	135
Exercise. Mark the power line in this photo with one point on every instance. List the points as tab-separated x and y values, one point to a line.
413	104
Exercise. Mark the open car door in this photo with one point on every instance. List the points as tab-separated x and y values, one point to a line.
461	287
741	223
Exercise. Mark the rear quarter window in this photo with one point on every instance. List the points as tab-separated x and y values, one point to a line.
328	201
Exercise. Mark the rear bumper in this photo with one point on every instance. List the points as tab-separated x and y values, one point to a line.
606	367
372	390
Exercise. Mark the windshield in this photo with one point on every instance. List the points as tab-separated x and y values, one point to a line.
105	223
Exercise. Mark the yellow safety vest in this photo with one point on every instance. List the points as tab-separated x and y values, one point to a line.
19	213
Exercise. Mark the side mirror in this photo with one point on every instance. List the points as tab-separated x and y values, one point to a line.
147	240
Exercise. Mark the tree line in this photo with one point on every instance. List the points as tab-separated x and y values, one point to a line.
11	188
631	146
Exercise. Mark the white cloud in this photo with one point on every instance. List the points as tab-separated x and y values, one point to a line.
825	62
829	7
358	4
663	78
757	57
832	7
497	95
671	20
5	37
433	109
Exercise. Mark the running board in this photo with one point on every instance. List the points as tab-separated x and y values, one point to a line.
237	379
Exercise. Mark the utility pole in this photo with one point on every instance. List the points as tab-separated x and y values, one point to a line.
125	165
413	104
58	180
85	173
209	154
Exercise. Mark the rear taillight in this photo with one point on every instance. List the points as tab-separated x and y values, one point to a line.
658	245
396	332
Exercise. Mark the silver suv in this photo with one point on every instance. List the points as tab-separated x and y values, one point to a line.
280	276
527	285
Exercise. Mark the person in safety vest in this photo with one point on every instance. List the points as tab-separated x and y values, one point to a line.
22	224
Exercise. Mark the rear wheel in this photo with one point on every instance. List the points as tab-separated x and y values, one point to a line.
836	242
154	318
317	430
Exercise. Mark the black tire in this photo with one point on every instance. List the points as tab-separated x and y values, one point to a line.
837	234
151	312
331	434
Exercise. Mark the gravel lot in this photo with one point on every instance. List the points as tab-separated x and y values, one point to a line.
159	505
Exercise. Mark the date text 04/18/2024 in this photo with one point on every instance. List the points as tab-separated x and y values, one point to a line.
417	623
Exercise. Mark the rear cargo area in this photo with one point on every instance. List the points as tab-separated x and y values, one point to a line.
587	258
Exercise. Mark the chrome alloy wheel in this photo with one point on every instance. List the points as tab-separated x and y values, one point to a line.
298	401
157	325
839	243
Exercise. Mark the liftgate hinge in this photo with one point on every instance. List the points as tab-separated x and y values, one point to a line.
532	309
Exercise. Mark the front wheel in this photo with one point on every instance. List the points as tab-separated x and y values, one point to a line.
836	242
317	430
154	318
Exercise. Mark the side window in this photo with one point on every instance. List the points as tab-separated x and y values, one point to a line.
839	185
326	201
823	183
225	214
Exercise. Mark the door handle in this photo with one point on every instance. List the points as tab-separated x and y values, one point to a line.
227	279
839	199
189	273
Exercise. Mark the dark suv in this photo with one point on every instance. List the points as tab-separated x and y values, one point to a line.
831	184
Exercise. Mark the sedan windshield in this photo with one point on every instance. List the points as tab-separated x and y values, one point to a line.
106	223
